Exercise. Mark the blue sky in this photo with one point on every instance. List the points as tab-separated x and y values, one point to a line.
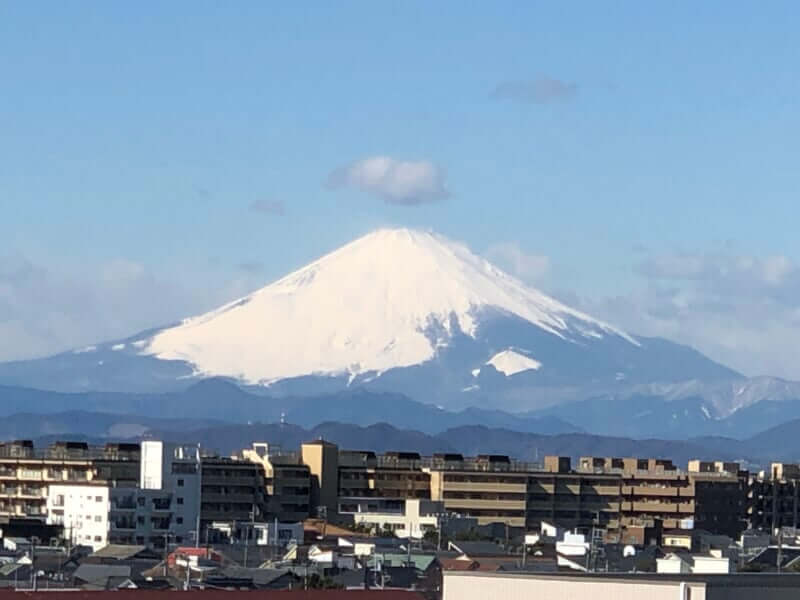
645	154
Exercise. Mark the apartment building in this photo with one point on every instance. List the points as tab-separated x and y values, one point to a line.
83	512
497	489
488	488
233	490
27	472
287	482
384	481
709	495
772	498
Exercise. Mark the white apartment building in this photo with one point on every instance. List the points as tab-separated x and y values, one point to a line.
83	512
405	518
163	509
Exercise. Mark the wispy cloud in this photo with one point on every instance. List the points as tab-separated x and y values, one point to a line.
741	309
512	258
394	181
543	90
269	207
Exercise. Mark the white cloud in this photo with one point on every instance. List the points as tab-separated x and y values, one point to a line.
394	181
44	311
741	310
512	258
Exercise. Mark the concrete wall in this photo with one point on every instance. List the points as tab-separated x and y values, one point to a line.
458	586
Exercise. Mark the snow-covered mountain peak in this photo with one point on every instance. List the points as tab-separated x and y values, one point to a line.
388	299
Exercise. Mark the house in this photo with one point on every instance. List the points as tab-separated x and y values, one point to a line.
772	558
115	552
477	549
97	577
262	579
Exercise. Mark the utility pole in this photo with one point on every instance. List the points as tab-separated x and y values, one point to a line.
246	545
199	497
187	584
166	552
33	563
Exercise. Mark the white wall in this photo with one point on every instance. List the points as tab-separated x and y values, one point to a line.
467	586
418	517
710	564
671	564
83	512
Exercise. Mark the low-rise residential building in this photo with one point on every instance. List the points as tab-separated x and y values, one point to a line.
405	518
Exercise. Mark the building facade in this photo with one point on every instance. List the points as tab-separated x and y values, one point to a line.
26	472
287	482
82	510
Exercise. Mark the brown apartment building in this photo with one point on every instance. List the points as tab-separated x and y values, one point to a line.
26	471
287	482
709	495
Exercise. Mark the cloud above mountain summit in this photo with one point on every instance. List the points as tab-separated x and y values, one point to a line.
403	182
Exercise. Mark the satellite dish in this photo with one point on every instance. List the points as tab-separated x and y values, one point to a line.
629	551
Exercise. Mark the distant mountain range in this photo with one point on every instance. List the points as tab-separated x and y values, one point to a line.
780	443
406	327
217	400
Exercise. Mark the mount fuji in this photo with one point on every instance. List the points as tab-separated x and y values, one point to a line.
396	310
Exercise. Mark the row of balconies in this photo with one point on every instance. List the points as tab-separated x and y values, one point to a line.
22	492
660	507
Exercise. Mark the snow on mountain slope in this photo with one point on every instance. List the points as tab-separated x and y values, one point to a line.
386	300
509	362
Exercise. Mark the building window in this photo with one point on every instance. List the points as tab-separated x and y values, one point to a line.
180	500
179	520
97	538
98	498
180	482
98	519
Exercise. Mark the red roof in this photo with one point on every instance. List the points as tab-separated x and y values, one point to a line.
455	564
202	552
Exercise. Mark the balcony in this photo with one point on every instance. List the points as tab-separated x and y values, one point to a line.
469	503
468	486
31	492
123	504
161	505
160	524
655	507
652	491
